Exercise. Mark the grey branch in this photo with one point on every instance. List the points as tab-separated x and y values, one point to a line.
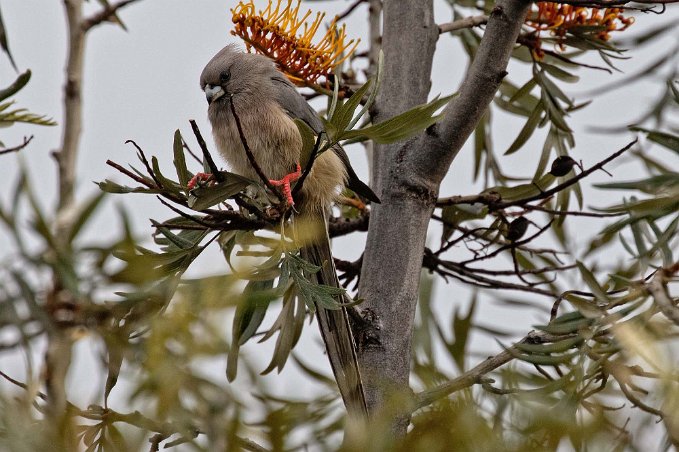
461	24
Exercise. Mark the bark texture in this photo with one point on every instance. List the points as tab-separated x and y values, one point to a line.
407	177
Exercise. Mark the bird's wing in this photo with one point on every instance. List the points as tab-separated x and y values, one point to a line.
294	104
297	107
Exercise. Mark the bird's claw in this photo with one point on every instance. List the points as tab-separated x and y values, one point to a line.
285	182
199	179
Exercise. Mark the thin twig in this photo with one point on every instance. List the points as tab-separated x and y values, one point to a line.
475	375
461	24
349	10
206	154
568	183
307	168
130	174
188	149
249	153
509	245
494	201
17	148
146	163
105	14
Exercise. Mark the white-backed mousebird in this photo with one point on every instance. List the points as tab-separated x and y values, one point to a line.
266	104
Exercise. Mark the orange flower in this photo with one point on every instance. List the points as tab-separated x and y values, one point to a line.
558	19
274	33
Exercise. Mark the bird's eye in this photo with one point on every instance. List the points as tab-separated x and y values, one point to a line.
224	76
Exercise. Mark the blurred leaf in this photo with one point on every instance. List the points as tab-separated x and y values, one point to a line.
115	353
85	212
651	185
19	83
248	317
553	347
664	139
590	280
4	43
22	115
286	324
527	130
462	327
558	73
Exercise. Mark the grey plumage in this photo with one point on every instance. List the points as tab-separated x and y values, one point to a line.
266	103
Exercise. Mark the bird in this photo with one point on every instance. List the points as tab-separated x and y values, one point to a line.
266	104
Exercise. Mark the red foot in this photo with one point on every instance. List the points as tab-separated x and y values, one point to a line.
199	179
285	184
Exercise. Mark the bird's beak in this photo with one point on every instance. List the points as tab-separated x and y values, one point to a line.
212	93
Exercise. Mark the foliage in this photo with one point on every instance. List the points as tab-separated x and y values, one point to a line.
600	355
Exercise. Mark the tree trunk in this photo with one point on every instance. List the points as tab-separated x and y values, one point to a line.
407	177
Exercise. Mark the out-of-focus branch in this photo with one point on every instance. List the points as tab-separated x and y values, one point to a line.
105	14
476	374
72	123
58	353
461	24
658	290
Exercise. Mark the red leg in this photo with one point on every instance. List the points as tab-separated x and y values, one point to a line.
285	184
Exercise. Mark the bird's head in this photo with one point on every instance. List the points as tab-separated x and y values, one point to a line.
232	72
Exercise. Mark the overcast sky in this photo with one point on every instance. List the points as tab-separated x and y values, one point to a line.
143	84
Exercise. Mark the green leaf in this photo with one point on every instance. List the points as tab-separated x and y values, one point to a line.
590	280
204	197
373	93
554	347
344	112
566	327
559	73
179	160
167	184
586	307
524	191
286	326
401	126
527	130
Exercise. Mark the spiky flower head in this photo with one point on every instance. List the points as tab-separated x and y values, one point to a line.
558	19
281	34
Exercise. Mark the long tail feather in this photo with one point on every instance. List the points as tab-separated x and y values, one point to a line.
334	323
